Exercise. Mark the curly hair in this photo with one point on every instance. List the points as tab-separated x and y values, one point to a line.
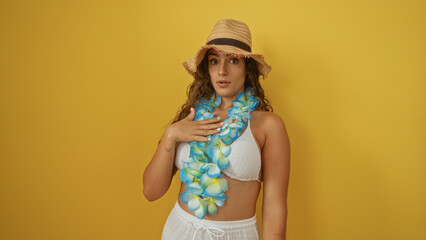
202	87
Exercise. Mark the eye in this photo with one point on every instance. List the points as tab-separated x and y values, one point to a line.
234	60
213	61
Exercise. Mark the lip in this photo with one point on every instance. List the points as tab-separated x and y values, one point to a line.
223	83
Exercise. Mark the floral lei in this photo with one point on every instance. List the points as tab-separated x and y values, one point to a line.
202	172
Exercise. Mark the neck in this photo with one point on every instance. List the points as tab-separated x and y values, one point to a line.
226	102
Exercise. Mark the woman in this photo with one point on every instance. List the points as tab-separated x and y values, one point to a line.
226	141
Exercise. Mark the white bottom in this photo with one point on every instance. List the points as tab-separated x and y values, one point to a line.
181	225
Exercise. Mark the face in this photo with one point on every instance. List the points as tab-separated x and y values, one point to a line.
227	73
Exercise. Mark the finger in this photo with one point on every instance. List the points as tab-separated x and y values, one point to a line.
191	115
200	139
207	132
210	120
210	126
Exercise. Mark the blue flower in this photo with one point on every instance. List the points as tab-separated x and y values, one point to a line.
195	203
204	107
212	170
195	188
213	186
188	175
212	208
202	170
220	200
216	150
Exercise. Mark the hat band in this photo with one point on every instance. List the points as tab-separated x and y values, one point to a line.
231	42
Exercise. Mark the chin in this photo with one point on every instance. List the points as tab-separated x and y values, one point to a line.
228	93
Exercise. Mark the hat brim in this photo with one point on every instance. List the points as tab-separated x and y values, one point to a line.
191	64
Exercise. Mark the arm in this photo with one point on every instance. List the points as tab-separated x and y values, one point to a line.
276	170
159	173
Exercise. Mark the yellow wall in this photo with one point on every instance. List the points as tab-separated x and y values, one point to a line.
81	112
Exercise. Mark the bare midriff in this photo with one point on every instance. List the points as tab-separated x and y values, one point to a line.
240	202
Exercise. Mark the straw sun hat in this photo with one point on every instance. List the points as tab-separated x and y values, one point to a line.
229	36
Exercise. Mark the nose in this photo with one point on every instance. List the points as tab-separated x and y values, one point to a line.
223	69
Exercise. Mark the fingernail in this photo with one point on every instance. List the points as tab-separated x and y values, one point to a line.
218	129
209	139
222	123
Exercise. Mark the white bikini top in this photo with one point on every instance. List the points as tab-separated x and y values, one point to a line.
244	159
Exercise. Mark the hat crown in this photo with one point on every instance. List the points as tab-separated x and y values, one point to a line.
231	28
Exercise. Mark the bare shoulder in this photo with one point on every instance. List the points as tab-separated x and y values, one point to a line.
267	125
268	121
